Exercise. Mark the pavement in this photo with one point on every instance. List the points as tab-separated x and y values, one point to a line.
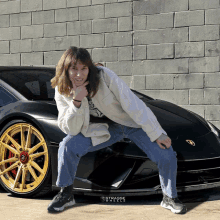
201	205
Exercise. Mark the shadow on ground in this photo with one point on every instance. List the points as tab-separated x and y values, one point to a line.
191	199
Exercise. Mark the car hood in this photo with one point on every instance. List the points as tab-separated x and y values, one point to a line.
178	121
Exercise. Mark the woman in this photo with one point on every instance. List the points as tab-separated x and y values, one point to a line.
81	90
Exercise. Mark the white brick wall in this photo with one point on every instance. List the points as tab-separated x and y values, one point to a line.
20	46
10	7
104	25
160	51
205	64
4	47
43	17
157	36
4	21
205	32
164	20
203	4
79	27
30	5
32	31
189	49
189	18
21	19
166	49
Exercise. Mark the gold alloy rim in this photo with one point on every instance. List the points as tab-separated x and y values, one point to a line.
23	158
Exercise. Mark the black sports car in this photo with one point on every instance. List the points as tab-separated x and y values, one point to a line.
29	141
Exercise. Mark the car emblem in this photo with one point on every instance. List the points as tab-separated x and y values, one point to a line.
191	142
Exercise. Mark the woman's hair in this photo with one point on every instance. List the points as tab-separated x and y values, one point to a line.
72	56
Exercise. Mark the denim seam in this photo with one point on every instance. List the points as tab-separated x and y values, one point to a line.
68	139
122	128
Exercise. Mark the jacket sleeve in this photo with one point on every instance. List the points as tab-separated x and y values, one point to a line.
134	106
70	118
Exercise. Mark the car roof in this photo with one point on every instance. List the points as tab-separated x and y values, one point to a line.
52	68
49	69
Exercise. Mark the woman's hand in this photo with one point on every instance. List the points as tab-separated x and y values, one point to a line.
166	142
80	91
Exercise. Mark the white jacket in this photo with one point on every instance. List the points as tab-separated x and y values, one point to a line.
116	102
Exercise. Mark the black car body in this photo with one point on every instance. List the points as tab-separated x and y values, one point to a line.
30	137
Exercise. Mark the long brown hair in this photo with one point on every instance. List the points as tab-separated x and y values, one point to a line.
61	79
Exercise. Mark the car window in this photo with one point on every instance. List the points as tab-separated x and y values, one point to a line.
32	84
5	97
50	90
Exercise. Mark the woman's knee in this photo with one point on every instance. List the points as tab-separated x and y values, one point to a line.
74	145
168	156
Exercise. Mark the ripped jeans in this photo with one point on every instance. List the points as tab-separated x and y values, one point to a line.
72	148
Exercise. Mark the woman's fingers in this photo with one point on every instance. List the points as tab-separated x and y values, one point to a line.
167	142
163	144
83	85
86	83
80	92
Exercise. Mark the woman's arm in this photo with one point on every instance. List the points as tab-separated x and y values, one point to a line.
70	118
134	107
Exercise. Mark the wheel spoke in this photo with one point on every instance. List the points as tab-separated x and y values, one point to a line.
22	138
33	156
35	165
14	151
10	160
17	176
24	173
28	142
14	142
35	147
31	170
10	168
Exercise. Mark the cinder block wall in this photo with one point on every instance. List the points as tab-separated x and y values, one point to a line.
166	49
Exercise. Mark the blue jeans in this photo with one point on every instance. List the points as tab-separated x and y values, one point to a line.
72	148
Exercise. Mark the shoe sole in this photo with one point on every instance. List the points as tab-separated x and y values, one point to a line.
60	209
173	210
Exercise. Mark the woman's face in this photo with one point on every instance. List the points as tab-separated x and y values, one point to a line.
78	73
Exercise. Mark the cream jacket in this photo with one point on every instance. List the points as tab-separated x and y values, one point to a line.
116	101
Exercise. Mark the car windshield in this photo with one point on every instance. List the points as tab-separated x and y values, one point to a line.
32	84
35	84
141	96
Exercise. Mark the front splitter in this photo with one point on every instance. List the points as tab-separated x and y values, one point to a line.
139	192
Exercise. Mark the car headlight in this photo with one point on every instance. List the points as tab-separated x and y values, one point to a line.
213	129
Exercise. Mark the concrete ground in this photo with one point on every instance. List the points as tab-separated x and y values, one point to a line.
204	204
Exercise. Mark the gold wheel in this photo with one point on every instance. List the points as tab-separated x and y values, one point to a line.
24	158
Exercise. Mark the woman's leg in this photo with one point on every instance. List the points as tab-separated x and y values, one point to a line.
164	158
72	148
